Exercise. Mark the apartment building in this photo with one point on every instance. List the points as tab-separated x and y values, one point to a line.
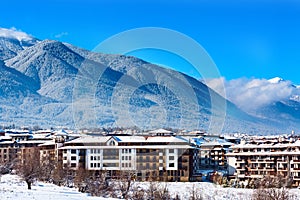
13	144
259	158
167	158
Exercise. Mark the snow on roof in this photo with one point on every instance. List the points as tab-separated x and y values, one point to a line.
130	138
44	131
268	145
61	132
165	139
6	137
39	136
212	143
32	141
131	147
149	139
90	139
265	153
48	143
228	137
160	131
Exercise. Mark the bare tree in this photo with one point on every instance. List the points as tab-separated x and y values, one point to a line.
29	168
82	179
98	185
158	190
272	188
195	194
48	165
59	175
123	184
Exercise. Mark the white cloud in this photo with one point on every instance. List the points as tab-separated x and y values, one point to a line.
14	33
61	34
251	94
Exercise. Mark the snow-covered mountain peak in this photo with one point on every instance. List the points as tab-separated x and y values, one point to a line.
13	42
15	34
276	80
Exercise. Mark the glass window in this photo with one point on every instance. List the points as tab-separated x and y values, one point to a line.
171	165
73	157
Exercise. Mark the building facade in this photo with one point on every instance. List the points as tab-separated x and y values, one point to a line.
265	158
165	158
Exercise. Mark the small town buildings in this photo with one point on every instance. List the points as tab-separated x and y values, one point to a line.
13	144
265	157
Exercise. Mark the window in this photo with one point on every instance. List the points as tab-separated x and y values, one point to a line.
91	165
112	143
111	165
171	158
73	157
73	151
92	157
171	150
171	165
73	164
65	157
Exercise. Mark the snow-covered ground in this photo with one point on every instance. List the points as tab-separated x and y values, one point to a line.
12	188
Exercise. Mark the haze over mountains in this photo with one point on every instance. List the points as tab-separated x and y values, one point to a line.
49	83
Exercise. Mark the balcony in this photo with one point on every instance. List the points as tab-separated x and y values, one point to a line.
281	160
282	169
296	177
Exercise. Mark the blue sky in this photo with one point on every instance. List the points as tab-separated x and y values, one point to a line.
244	38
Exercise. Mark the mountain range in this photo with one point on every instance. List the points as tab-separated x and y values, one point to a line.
50	83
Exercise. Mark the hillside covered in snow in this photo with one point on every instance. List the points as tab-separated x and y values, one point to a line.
50	83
